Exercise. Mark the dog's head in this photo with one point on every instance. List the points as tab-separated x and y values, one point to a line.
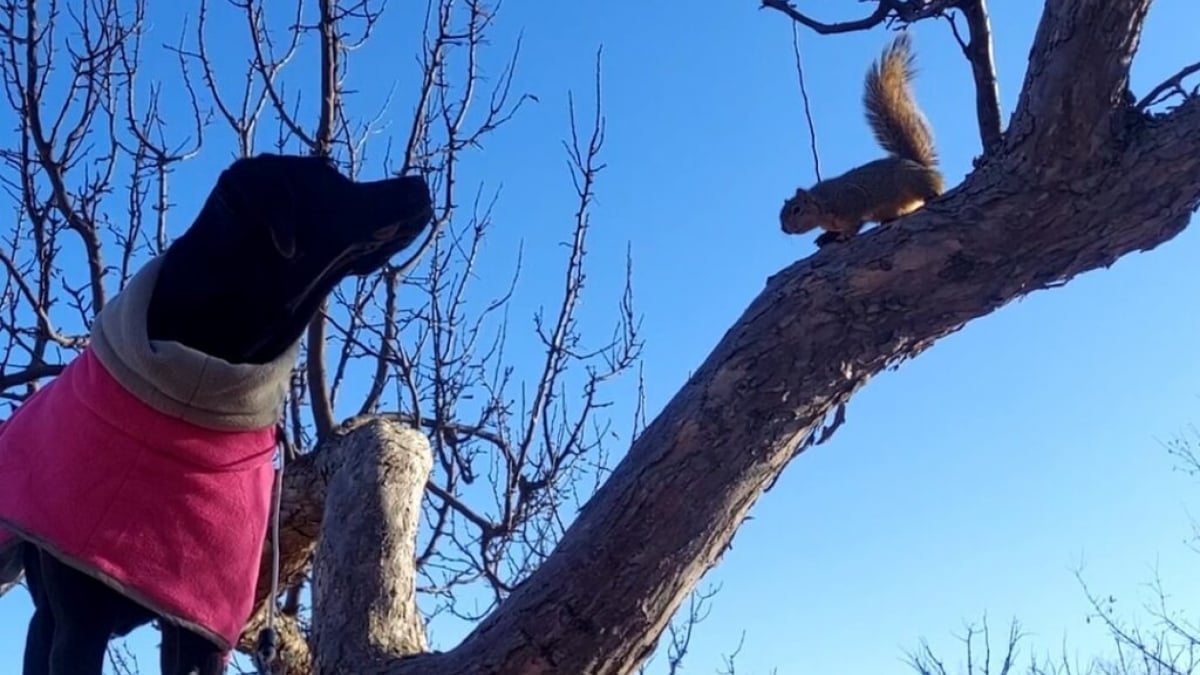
274	237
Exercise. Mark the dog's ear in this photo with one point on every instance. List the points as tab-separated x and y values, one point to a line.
385	232
259	190
283	235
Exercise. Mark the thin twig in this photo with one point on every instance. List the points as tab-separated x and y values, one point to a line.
812	130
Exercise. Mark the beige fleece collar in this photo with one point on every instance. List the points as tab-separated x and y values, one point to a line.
182	382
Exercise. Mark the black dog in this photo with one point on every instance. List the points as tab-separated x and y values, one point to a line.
276	234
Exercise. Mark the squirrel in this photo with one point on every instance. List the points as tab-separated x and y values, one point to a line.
884	189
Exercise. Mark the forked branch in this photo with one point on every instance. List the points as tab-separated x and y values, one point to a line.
977	46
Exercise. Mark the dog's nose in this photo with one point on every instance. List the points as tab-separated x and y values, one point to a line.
389	210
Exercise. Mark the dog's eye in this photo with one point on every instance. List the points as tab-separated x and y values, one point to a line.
385	233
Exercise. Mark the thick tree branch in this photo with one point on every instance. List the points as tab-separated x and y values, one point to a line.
1078	77
364	584
819	331
302	510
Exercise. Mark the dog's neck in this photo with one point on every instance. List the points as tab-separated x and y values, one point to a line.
179	380
215	297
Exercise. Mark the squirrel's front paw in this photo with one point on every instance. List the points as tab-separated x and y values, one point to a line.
831	238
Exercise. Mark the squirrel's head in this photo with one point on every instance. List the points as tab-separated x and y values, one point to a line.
801	213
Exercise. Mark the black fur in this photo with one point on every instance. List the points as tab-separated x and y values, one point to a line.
276	234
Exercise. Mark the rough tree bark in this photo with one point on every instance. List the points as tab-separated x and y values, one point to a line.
1081	179
364	584
361	454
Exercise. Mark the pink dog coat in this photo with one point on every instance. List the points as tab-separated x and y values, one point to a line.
171	514
168	512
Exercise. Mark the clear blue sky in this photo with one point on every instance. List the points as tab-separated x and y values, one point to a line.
972	480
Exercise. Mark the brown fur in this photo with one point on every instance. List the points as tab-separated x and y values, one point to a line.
885	189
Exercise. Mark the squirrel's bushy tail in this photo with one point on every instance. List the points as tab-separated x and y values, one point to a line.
897	122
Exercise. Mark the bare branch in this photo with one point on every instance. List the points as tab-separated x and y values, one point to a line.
28	375
1172	86
983	69
876	17
978	49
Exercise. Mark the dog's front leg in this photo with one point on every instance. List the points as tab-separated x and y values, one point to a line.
41	627
83	613
184	652
38	642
